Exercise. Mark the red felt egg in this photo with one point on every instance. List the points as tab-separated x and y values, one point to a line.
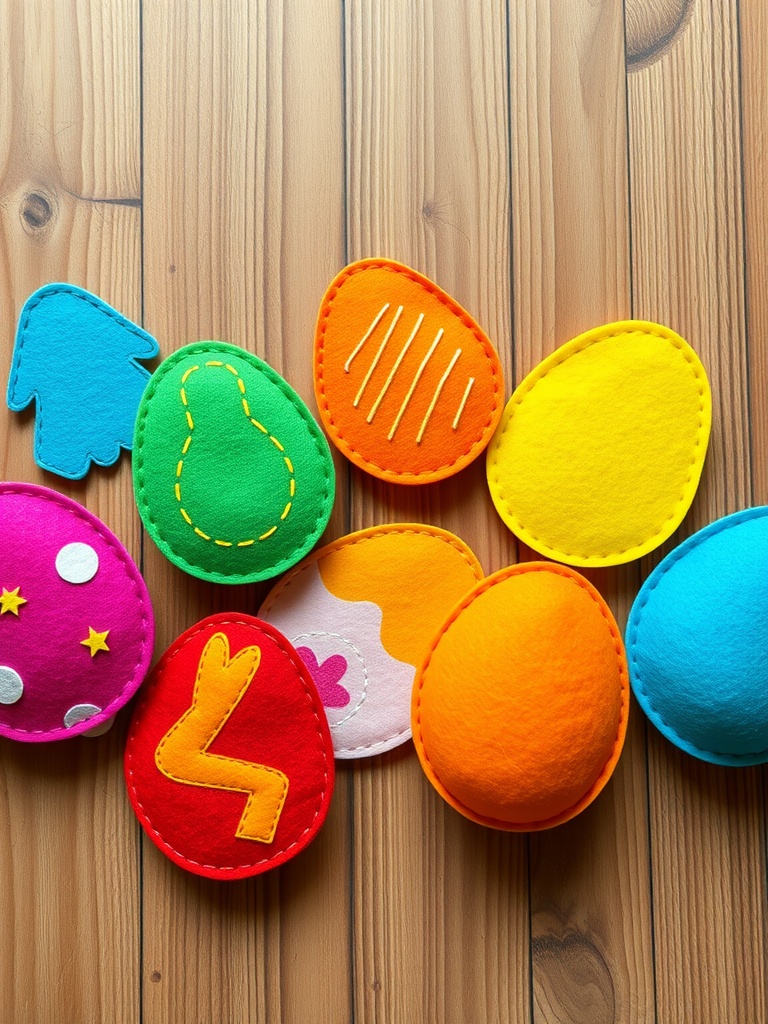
229	760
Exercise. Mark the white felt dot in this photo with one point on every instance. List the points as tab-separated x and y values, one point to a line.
99	730
79	713
11	685
77	563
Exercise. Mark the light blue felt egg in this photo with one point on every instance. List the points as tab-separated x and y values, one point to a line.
697	642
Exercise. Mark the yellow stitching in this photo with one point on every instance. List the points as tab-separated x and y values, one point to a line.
188	442
414	383
395	368
457	417
366	336
436	396
378	356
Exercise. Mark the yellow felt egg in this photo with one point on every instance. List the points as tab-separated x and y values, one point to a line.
600	449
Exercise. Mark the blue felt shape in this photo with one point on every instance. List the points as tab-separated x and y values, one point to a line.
76	357
697	640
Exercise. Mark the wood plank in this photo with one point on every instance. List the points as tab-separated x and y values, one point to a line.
590	879
69	129
707	823
244	199
441	915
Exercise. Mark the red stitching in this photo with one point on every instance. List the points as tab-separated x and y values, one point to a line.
138	718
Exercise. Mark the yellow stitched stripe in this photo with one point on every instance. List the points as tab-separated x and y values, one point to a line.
188	442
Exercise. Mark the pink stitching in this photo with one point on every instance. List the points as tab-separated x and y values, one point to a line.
455	309
139	716
491	581
515	403
127	564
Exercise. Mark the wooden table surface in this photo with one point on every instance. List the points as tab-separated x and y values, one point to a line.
207	167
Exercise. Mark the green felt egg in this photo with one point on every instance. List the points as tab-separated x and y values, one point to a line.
233	477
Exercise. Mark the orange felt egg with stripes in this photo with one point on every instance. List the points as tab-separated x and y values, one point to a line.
519	711
408	386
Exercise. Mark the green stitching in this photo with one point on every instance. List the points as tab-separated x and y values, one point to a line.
187	443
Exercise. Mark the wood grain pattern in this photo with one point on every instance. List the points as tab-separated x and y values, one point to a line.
426	122
592	960
688	272
553	165
69	129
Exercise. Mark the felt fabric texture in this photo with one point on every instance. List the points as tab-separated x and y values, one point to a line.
234	480
696	642
599	452
408	386
520	707
229	763
76	358
43	641
361	612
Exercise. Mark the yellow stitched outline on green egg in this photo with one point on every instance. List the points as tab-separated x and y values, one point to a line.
185	449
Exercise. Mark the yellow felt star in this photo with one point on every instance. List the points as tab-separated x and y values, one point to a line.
11	601
96	641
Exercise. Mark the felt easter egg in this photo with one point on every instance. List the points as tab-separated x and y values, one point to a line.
76	625
229	763
361	612
696	642
520	707
599	452
234	480
408	386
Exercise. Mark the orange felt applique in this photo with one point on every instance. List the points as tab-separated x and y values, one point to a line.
408	386
519	711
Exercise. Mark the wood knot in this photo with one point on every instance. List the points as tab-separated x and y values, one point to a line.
653	27
36	211
155	976
575	982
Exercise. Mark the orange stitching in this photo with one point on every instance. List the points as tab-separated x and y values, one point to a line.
140	713
463	318
491	581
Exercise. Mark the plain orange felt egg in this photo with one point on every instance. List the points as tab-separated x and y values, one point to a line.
519	711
